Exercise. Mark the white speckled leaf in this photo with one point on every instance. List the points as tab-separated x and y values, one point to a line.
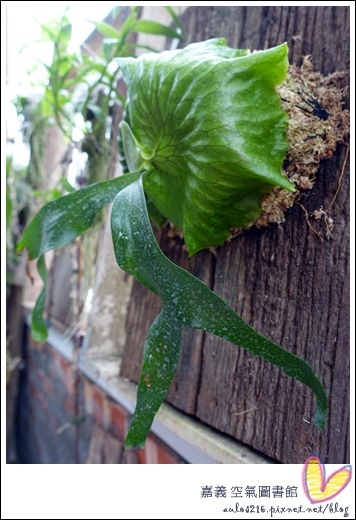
208	126
187	302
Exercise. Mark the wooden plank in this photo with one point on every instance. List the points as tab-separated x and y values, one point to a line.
283	280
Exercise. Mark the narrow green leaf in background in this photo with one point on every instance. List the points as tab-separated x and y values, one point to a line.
149	27
187	302
106	29
38	325
176	21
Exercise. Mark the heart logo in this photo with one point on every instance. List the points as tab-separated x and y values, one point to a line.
319	488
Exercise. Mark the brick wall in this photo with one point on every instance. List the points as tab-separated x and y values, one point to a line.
50	432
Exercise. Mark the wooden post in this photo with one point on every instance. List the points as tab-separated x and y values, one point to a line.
287	283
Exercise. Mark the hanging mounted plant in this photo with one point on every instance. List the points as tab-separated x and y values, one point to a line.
203	141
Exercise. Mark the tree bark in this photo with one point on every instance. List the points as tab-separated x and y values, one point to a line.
283	280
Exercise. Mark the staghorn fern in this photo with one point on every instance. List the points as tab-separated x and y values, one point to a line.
204	139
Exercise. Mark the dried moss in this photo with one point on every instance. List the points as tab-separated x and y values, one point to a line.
318	124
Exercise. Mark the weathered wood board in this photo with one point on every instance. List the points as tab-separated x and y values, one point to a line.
286	282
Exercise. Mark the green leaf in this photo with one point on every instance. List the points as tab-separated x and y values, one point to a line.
129	148
47	103
132	46
161	354
62	220
149	27
127	27
208	124
106	29
38	325
187	302
63	67
176	21
58	223
66	185
109	45
65	33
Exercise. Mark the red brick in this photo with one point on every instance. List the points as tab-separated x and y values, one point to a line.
118	419
67	375
98	405
54	353
141	456
46	383
149	455
54	368
106	412
156	452
88	397
62	369
35	344
69	405
165	456
38	398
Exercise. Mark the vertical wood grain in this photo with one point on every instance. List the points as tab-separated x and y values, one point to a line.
286	282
